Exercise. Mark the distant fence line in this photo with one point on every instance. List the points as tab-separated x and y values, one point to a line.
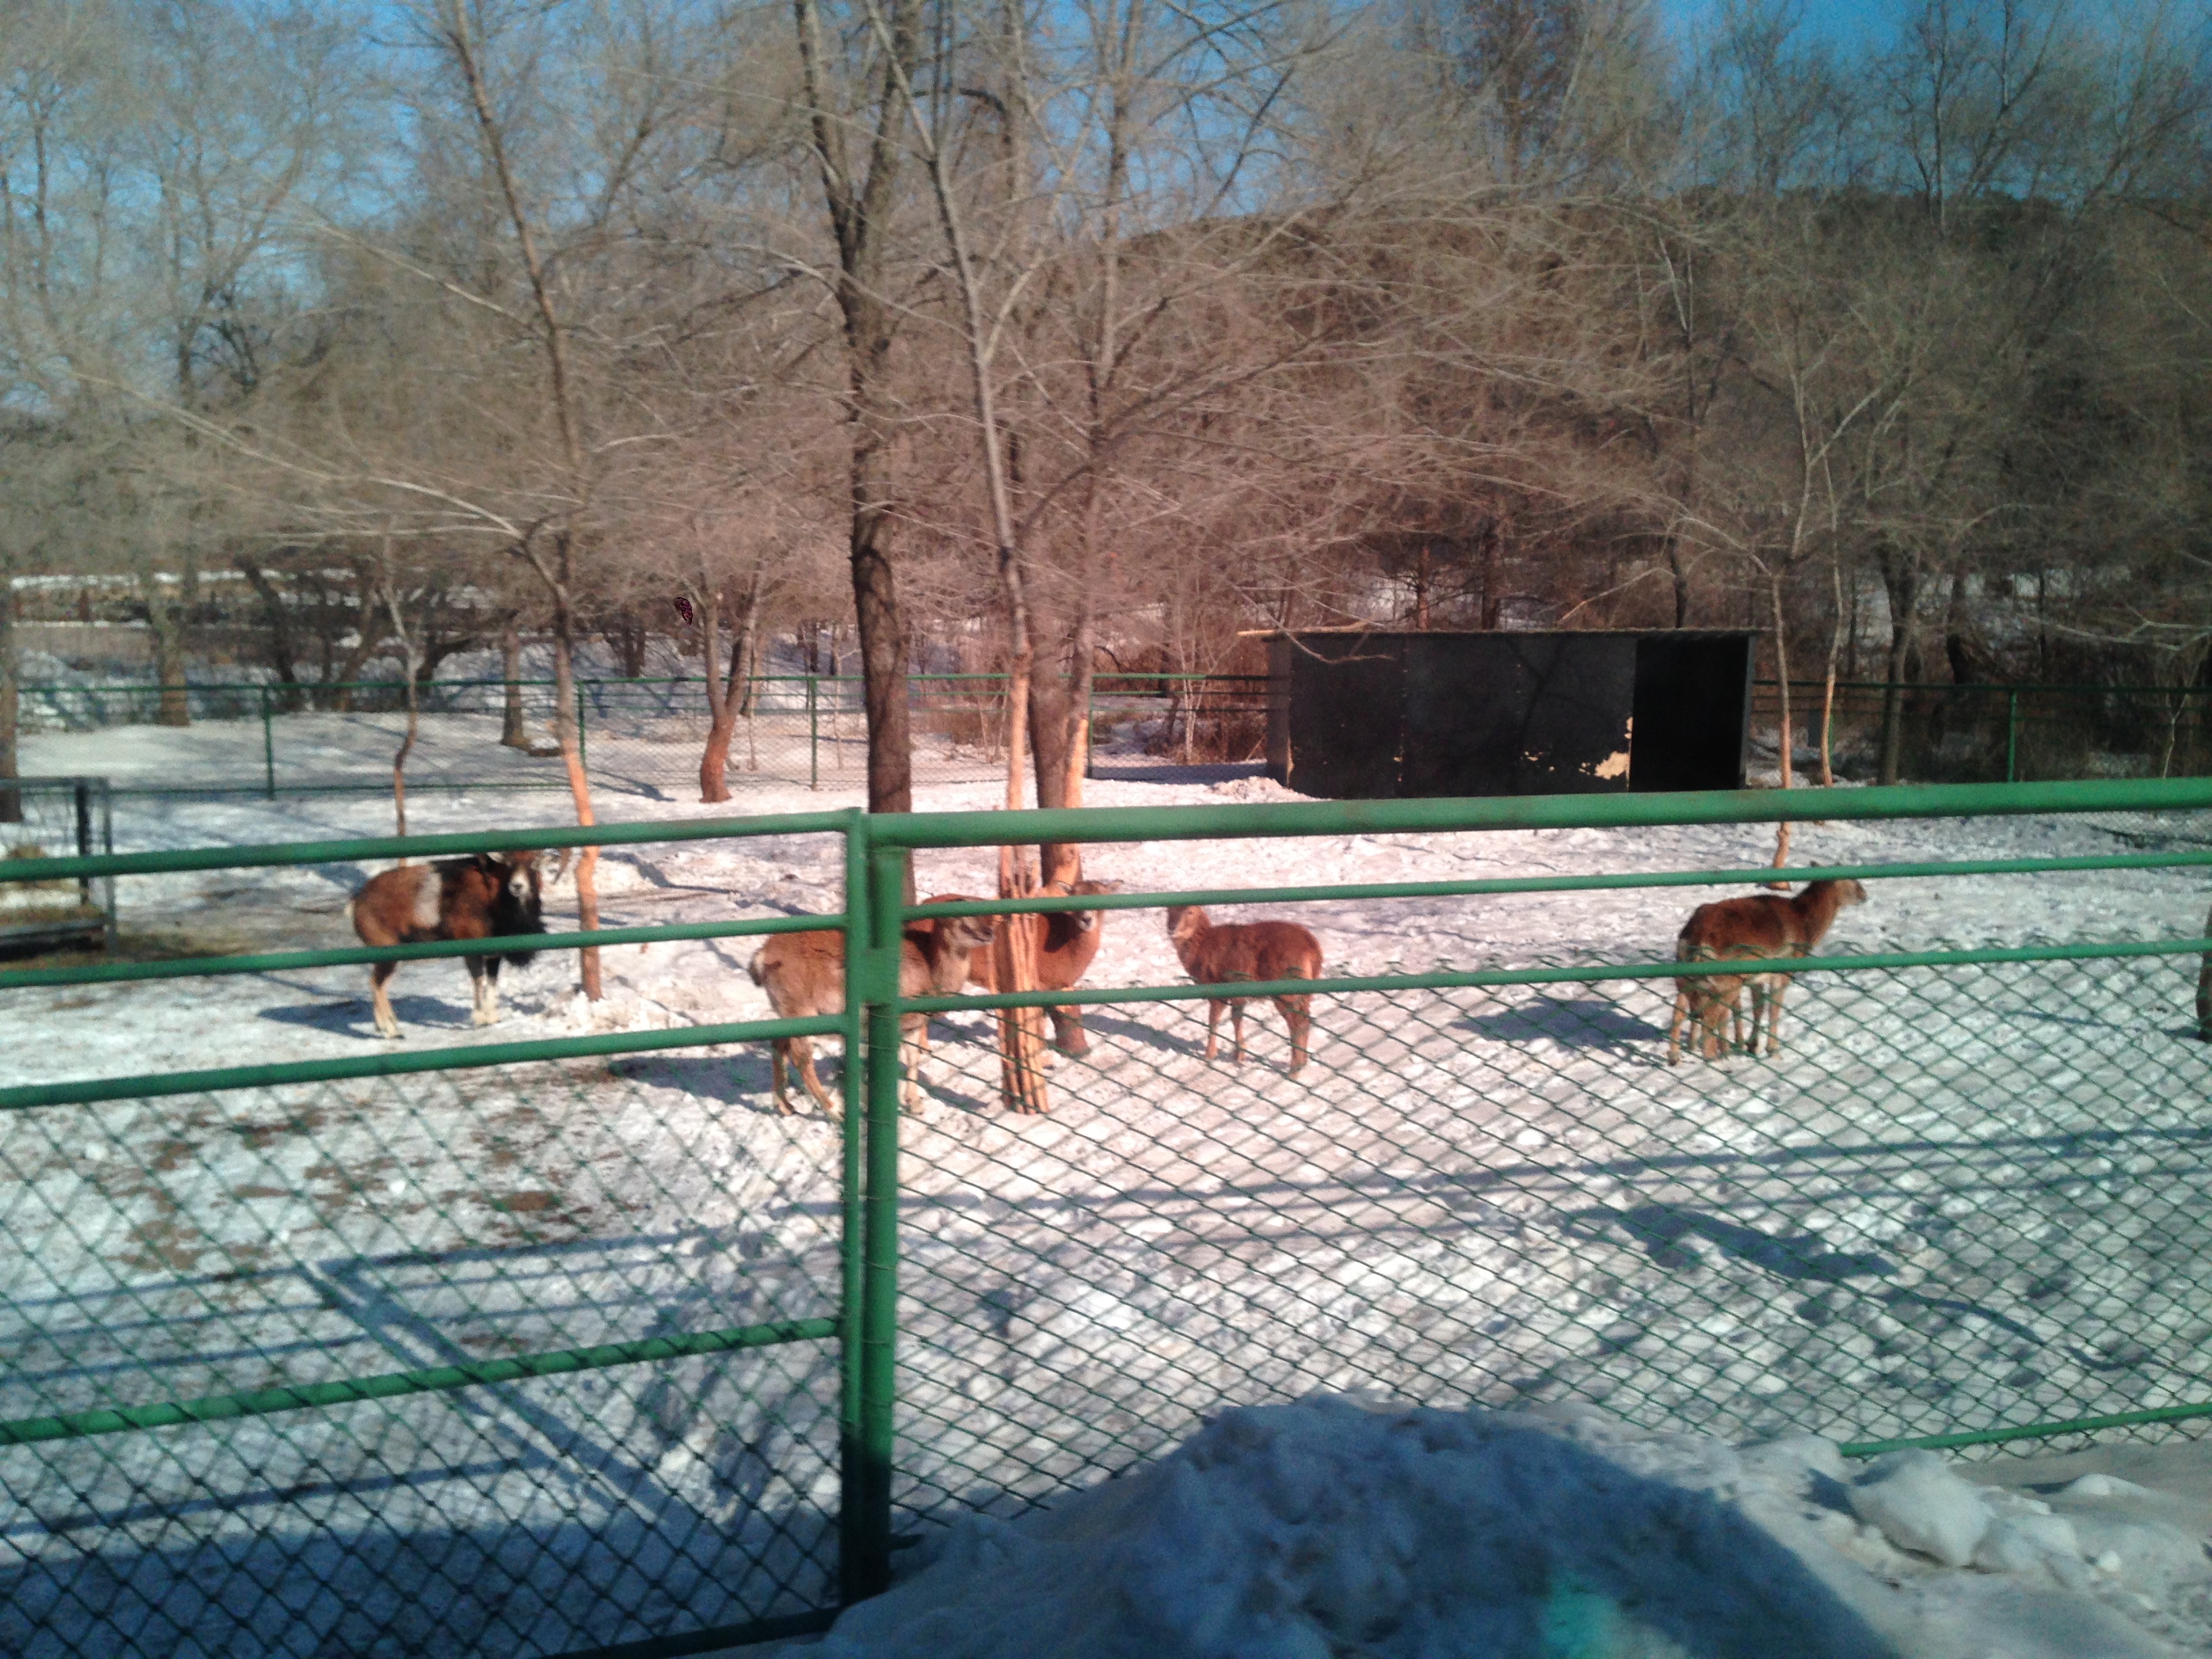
645	736
641	735
1992	733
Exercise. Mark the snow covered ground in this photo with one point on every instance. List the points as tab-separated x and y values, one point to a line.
1955	1200
1339	1527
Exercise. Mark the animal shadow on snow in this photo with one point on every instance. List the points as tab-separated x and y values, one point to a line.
353	1018
738	1079
1570	1022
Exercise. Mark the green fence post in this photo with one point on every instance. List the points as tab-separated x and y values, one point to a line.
813	736
2012	737
856	1531
868	1532
268	745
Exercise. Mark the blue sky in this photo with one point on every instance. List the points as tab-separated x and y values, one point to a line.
1833	19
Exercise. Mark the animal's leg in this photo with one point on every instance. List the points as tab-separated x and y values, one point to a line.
778	1078
910	1054
1067	1033
1675	1028
805	1048
1237	1027
387	1025
1713	1021
1212	1026
483	1006
1774	1013
1298	1016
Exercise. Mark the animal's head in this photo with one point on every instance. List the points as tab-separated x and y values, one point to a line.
967	933
520	893
1087	920
1185	920
1849	893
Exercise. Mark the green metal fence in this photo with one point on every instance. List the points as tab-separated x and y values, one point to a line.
538	1347
643	737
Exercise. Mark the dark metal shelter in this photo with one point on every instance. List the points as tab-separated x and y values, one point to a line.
1363	714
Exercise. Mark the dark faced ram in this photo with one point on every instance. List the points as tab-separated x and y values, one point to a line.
490	896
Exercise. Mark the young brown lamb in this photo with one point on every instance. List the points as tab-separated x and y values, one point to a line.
804	974
1224	954
490	896
1764	924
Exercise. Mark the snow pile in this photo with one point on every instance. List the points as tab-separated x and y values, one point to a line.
1338	1527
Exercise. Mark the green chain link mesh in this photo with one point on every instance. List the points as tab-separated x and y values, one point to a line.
174	1249
1958	1199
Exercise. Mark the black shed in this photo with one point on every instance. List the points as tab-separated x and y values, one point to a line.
1362	714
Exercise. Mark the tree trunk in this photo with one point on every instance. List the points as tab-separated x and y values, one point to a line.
1682	581
580	789
727	700
284	658
1828	689
409	644
167	619
1493	602
11	800
881	631
1900	580
1785	734
513	732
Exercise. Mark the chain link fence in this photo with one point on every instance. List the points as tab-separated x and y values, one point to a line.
1995	733
542	1348
638	737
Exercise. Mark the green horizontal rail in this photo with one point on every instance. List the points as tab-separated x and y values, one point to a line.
545	837
390	1385
105	973
153	1085
1112	824
2028	1431
1496	884
1476	978
1609	811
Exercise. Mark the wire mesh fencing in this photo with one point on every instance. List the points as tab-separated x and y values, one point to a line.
541	1348
1943	733
1959	1197
305	1276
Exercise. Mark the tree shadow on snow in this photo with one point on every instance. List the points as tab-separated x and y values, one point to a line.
1660	1228
1570	1022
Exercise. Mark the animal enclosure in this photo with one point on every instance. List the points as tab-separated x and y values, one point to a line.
1364	714
571	1343
57	818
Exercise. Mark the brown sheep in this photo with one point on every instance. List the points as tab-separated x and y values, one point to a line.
804	974
1223	954
1071	939
1762	925
490	896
